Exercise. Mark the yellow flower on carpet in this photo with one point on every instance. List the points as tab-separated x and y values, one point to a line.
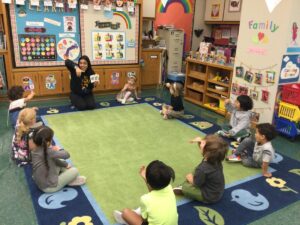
86	220
276	182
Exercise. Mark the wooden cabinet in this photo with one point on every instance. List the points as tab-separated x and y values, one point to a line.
207	84
101	85
114	79
151	71
66	77
149	8
50	82
27	80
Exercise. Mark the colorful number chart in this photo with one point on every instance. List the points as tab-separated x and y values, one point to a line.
42	33
37	47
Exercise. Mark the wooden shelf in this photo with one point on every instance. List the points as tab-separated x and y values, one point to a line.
197	75
218	92
195	89
213	96
218	83
193	101
3	51
215	109
210	94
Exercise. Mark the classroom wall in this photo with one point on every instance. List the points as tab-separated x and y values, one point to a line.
199	24
178	13
260	49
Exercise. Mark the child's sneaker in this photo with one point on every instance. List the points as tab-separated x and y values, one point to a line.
222	133
233	158
178	190
123	101
79	180
118	217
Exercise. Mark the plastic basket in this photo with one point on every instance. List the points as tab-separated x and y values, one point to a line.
289	111
291	94
286	127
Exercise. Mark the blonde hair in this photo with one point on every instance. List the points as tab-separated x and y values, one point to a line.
25	118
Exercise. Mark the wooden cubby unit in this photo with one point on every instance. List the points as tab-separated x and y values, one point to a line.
207	84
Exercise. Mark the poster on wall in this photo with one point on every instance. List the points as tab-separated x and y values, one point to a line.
42	34
294	42
289	72
110	37
69	24
108	45
37	47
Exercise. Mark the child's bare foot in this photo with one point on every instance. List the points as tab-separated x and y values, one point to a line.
165	117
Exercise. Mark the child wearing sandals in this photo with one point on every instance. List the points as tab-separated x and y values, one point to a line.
49	170
159	205
239	124
207	182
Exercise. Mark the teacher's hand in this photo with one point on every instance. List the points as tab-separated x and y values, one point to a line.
96	83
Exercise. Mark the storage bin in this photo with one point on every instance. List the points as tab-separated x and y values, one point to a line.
289	111
291	94
286	127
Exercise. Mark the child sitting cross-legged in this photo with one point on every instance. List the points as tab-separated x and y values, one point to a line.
257	153
239	124
50	171
207	182
129	91
159	205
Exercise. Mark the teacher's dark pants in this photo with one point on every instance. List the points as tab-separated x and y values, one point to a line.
83	102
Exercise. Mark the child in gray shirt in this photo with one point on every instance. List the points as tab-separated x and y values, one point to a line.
258	153
49	170
240	118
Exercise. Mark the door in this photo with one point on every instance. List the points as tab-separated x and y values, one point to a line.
151	69
66	77
114	79
101	85
29	81
50	82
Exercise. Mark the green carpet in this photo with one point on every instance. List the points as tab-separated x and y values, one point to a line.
109	146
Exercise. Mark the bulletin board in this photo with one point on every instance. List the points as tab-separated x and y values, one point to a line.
43	34
110	37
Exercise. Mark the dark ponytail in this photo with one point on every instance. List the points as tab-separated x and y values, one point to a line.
41	137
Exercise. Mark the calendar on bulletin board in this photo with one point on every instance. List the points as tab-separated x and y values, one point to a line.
43	34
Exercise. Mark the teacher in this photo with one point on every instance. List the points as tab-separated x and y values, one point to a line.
81	87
